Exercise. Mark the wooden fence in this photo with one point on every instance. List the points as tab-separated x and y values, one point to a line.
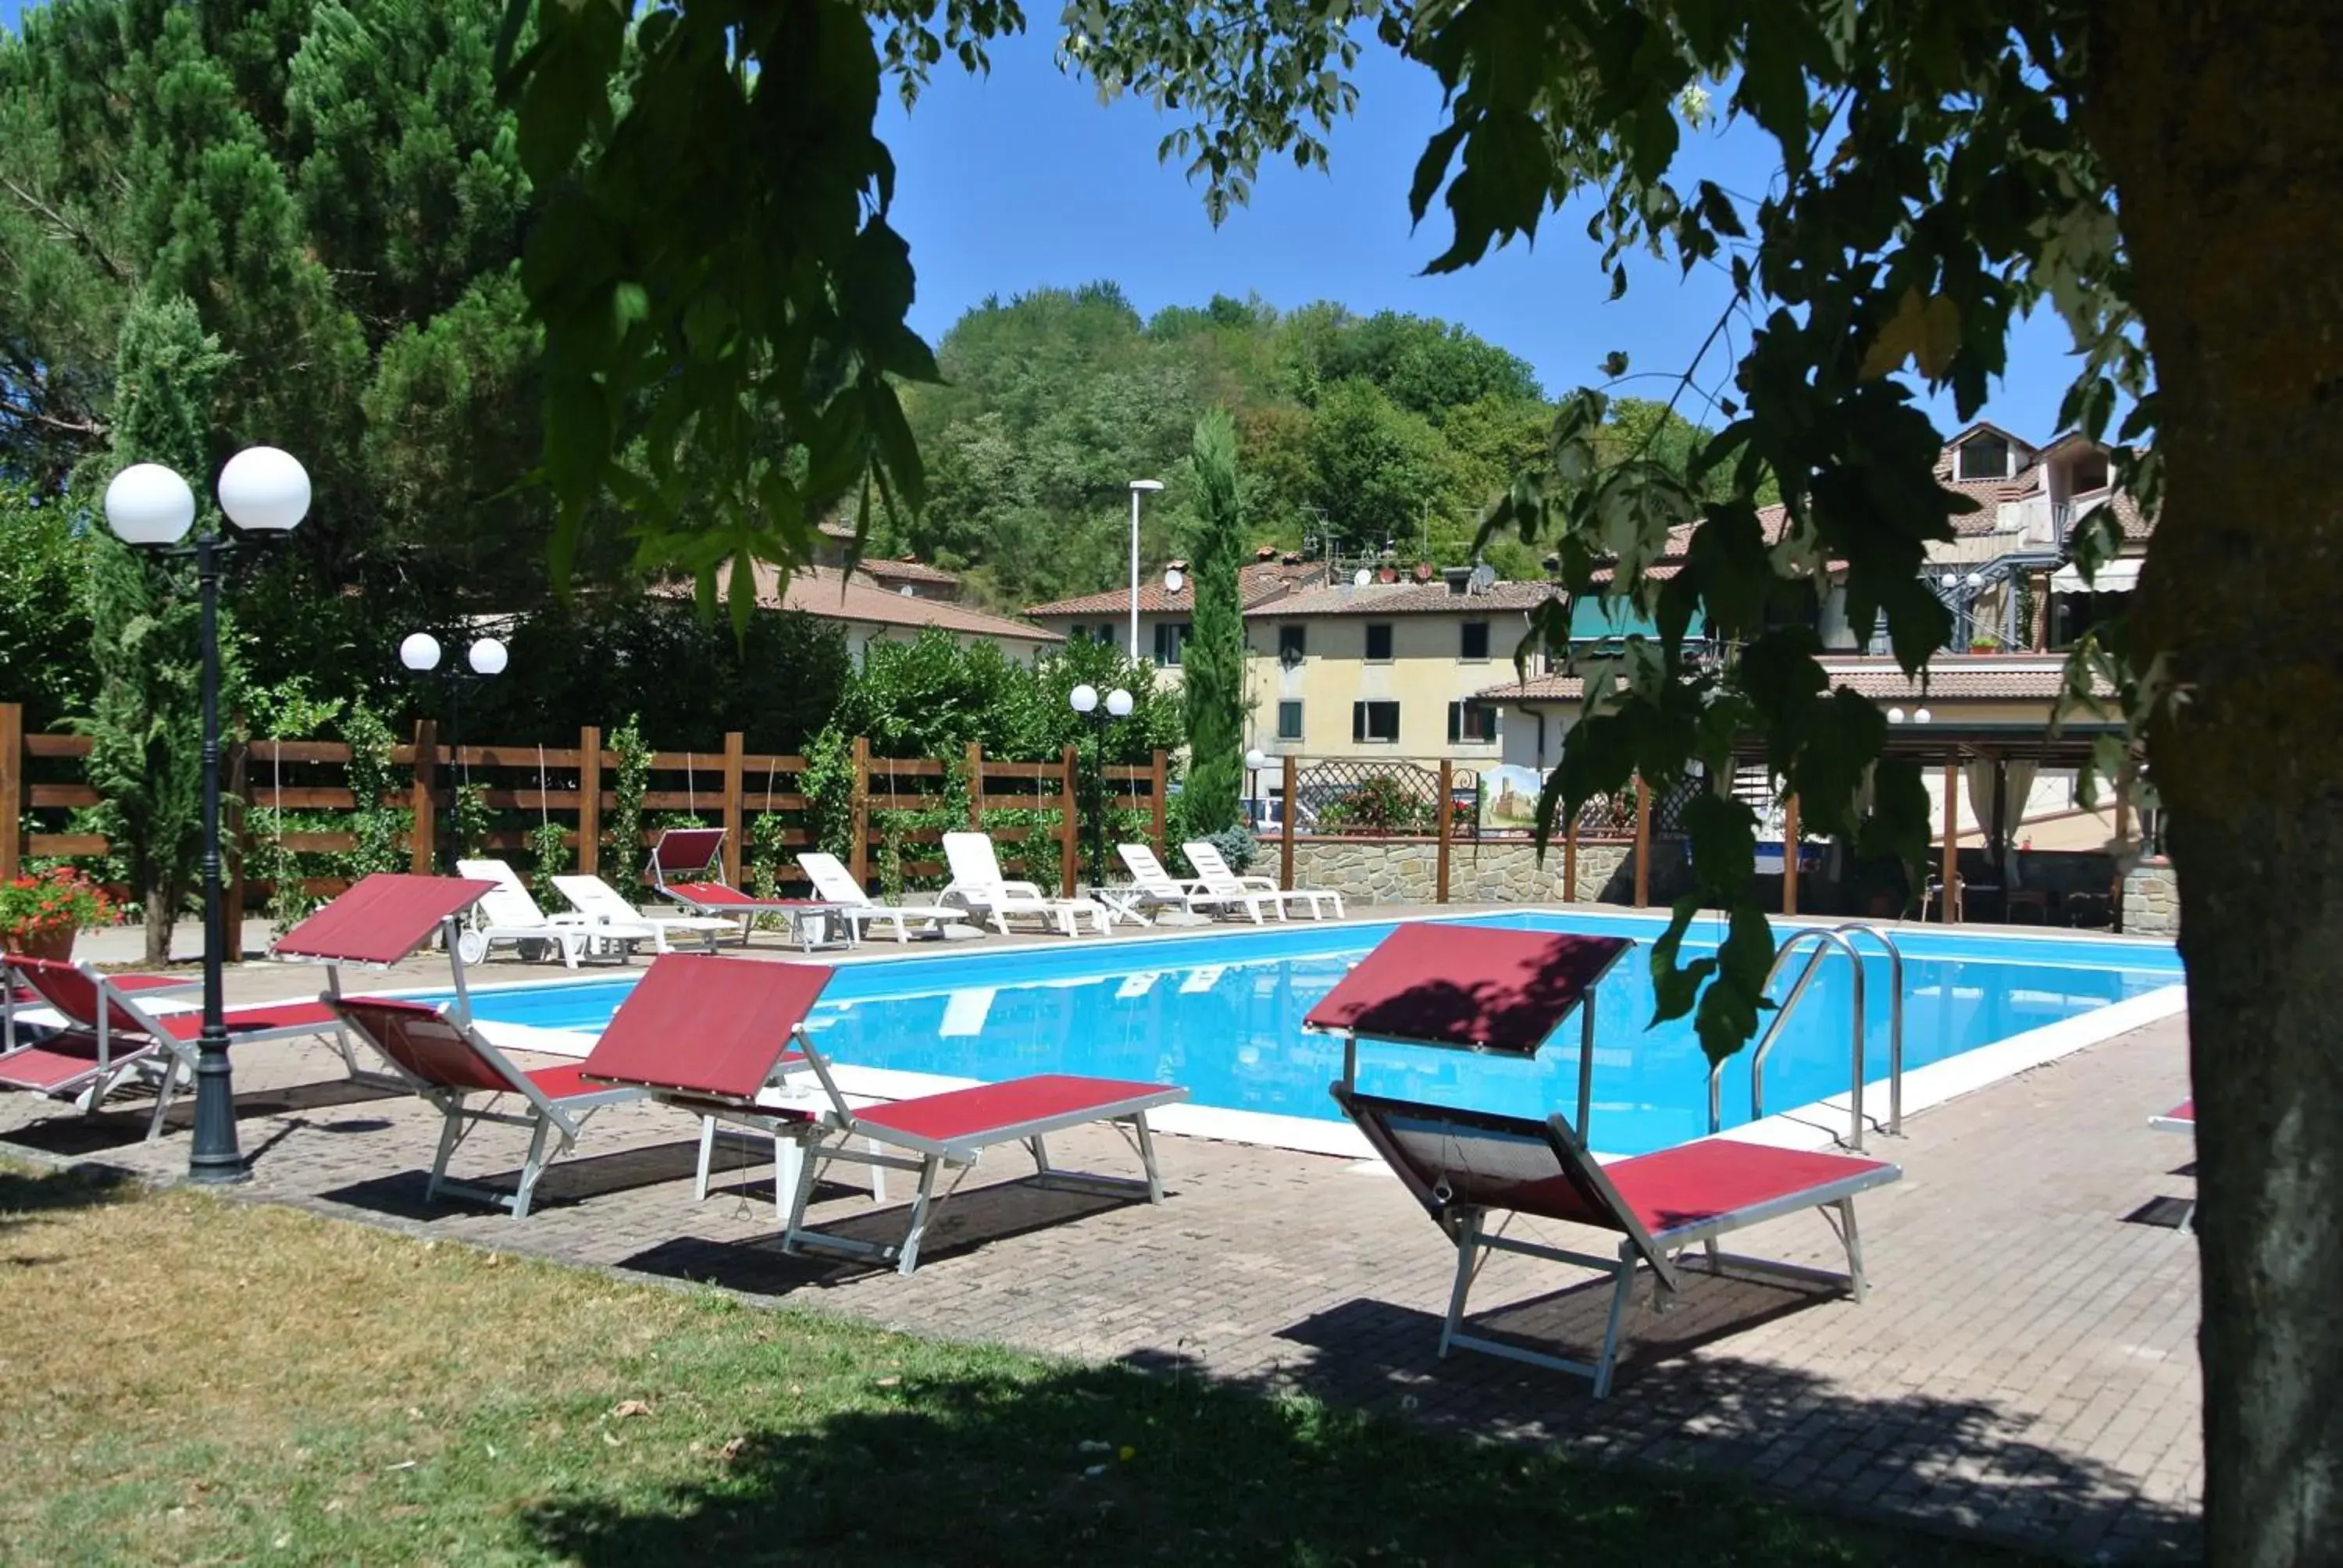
44	777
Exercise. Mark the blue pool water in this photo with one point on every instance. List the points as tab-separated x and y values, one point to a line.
1222	1015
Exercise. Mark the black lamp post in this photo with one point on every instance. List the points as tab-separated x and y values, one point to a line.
264	492
1084	700
486	657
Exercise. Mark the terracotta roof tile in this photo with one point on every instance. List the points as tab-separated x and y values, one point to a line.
1407	599
1258	583
832	595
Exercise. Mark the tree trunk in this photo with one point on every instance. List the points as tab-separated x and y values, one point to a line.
2222	127
162	906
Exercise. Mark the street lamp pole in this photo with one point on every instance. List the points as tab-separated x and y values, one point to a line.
486	657
1084	700
1255	760
1137	489
263	491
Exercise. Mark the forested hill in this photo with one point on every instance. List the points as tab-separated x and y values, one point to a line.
1385	428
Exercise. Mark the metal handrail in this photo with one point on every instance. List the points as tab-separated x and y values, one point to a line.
1895	1018
1821	940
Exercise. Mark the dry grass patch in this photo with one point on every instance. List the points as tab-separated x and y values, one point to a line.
224	1382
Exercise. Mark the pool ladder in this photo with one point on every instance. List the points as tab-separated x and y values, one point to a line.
1818	943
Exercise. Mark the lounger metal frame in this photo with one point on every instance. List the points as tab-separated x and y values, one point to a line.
1467	1225
930	1157
566	1117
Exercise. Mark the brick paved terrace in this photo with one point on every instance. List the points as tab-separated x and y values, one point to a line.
2024	1369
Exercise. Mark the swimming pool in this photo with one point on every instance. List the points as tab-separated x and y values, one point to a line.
1222	1015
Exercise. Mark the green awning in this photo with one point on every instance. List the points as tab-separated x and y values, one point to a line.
1595	619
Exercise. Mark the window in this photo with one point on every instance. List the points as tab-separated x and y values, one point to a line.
1984	457
1473	643
1293	645
1289	720
1379	643
1472	723
1375	721
1169	636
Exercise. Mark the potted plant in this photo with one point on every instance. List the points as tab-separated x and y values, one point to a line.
40	915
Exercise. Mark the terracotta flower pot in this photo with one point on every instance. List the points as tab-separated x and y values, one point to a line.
41	942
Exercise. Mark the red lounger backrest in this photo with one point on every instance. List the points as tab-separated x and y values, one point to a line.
423	1040
382	918
698	1024
65	988
686	851
1452	1159
1479	988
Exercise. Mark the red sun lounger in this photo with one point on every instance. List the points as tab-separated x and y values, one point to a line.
2181	1118
683	868
117	1023
445	1060
723	1037
1503	993
15	995
1464	1166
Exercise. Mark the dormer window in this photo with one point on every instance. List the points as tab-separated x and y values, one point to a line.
1984	456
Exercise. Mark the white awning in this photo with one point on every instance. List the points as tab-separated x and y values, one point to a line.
2113	577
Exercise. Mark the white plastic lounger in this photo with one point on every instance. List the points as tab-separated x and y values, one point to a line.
1153	888
834	884
599	901
978	886
1252	893
508	915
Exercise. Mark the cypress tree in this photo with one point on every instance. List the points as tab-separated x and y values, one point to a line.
146	726
1213	664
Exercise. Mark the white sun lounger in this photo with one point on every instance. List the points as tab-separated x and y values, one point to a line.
978	886
834	884
598	900
1154	888
1252	893
507	914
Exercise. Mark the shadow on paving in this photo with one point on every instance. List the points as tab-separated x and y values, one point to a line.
73	1135
1962	1466
981	1217
1105	1465
566	1182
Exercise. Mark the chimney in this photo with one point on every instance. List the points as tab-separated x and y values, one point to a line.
1459	580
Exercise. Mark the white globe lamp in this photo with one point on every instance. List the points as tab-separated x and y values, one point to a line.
1084	698
263	490
147	504
486	657
1118	703
419	652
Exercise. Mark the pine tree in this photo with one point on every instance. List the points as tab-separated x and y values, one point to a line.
1213	657
148	757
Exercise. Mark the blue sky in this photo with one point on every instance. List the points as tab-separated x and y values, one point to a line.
1023	180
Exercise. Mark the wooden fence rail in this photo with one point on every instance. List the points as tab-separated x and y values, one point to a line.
41	777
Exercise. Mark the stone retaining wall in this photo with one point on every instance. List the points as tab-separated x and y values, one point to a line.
2151	901
1407	871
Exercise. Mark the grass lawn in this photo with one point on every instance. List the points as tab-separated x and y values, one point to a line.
218	1381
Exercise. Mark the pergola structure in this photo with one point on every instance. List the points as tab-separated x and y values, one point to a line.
1969	708
1953	741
